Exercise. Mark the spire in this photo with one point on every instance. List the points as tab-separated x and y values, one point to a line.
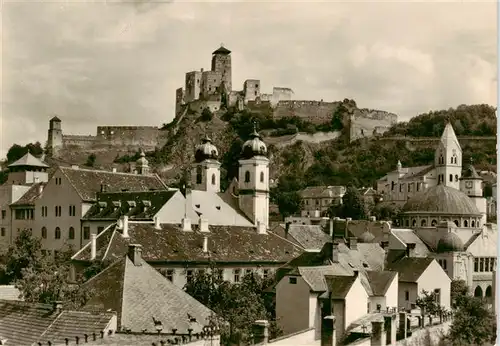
449	136
254	134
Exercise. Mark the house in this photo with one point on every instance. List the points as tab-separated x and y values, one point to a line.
27	324
418	274
145	301
317	199
180	250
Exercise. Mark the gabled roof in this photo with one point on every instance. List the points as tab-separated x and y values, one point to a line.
30	197
88	182
407	236
308	236
25	324
136	205
380	281
410	268
339	286
141	295
29	161
172	244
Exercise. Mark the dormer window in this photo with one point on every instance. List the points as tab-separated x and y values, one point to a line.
131	204
116	204
146	205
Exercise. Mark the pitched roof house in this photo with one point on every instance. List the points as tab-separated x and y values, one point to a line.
145	301
26	324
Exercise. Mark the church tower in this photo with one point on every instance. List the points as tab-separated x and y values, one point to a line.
448	159
472	185
142	164
54	138
221	62
253	181
206	173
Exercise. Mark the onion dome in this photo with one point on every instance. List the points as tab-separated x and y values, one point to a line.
441	199
366	237
206	150
142	161
450	242
254	146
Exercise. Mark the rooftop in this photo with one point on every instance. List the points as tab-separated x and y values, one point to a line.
410	268
30	197
29	161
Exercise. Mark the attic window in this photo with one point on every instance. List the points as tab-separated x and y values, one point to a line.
292	281
131	204
146	203
218	207
117	204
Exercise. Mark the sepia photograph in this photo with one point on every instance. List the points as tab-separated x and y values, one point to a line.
247	173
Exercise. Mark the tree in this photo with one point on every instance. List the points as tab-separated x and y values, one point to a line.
352	205
238	304
25	252
473	323
427	302
17	151
90	160
289	203
459	290
206	115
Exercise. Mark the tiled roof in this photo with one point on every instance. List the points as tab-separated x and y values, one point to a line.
380	281
416	172
24	324
410	268
470	173
9	292
137	205
30	196
141	296
339	286
218	208
308	236
321	191
315	276
172	244
88	182
29	160
358	228
408	236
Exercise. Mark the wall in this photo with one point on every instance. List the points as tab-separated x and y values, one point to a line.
435	277
82	141
367	122
302	338
8	194
418	336
129	135
292	317
413	289
316	112
199	105
316	138
356	303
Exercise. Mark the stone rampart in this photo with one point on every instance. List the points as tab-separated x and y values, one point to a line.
316	112
368	123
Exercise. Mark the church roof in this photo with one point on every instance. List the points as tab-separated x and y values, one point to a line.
449	137
55	119
441	199
30	161
450	242
471	173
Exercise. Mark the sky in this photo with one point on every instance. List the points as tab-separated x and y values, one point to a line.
119	62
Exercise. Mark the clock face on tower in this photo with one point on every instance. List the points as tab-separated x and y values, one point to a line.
468	184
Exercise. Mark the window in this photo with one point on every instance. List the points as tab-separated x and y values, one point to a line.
220	274
472	224
434	223
86	232
407	223
492	264
198	175
237	273
261	177
213	179
292	280
481	264
451	177
393	184
4	214
407	295
400	187
44	211
409	187
437	296
445	264
476	264
170	275
466	223
58	210
248	272
58	181
266	273
414	223
189	275
72	210
57	233
100	229
247	177
423	223
456	177
457	223
71	233
44	232
2	232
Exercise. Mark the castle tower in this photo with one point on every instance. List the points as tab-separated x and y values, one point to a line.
472	185
221	62
142	164
206	173
28	170
448	159
253	180
54	138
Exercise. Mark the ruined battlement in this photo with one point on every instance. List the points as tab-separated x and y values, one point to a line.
316	112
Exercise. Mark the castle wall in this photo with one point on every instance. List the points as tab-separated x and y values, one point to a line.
192	86
251	89
367	123
279	94
210	82
179	100
80	141
316	112
199	105
144	136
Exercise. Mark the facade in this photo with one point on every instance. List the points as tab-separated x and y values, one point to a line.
407	182
317	199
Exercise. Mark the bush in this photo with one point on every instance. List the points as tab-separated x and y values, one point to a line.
206	115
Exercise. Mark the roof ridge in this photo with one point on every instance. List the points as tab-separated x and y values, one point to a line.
109	242
50	325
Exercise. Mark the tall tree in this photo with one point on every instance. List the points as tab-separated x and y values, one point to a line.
17	151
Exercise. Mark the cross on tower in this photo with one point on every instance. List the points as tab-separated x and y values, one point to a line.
221	45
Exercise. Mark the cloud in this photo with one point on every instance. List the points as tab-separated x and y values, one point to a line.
120	62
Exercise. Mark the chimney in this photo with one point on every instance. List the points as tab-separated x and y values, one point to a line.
390	324
186	224
135	254
58	306
40	189
261	332
93	246
353	243
203	225
287	229
335	252
331	228
125	226
328	335
114	169
378	337
205	244
410	249
261	228
157	222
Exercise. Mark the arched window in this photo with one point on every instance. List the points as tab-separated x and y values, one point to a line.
58	233
414	223
456	177
198	175
466	223
456	223
213	179
247	177
423	223
487	293
473	223
261	177
434	223
478	292
71	233
407	223
44	232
